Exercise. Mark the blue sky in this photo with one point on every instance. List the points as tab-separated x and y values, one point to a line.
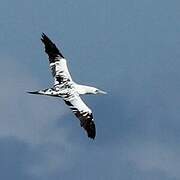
129	48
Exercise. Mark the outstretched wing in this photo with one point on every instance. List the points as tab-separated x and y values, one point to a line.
57	62
83	113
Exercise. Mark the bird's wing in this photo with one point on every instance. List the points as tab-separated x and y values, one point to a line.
83	113
57	62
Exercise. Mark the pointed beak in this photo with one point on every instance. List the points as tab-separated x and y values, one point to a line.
102	92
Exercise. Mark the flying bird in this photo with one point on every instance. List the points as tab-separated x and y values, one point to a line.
65	88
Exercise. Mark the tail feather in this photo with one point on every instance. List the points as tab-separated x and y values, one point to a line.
33	92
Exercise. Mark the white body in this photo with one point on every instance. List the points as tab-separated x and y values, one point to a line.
67	89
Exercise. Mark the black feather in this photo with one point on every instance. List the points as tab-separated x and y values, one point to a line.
51	49
87	123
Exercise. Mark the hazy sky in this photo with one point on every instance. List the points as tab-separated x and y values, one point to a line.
129	48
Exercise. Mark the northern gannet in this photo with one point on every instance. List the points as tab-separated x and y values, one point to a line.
67	89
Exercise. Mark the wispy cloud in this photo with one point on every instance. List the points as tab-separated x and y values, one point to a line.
32	120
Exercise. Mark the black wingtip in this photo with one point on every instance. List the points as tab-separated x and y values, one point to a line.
50	47
91	130
45	38
43	35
